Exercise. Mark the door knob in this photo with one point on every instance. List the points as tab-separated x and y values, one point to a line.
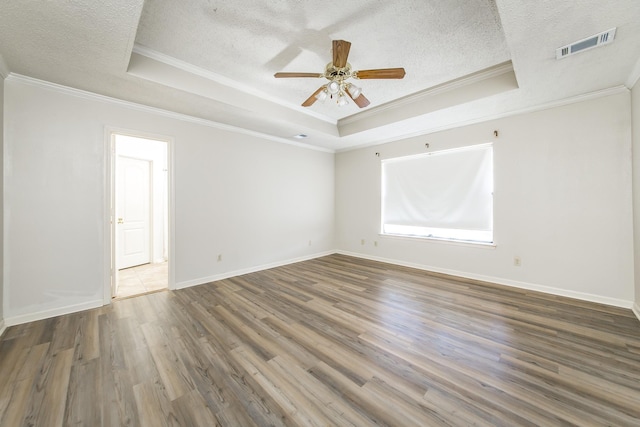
120	221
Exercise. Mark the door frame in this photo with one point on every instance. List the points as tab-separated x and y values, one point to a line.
110	272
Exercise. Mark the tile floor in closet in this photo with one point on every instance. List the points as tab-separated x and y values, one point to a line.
142	279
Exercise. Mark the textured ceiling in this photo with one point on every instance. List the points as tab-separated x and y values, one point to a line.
249	41
215	60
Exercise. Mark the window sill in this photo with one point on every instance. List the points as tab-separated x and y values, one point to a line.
441	240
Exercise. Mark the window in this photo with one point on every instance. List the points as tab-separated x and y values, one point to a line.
443	195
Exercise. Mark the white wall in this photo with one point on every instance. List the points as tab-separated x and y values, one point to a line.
254	201
562	202
635	114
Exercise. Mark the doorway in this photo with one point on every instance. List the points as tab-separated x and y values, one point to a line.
139	215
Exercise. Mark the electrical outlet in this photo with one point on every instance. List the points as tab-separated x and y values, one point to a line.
309	242
219	257
362	242
517	261
375	243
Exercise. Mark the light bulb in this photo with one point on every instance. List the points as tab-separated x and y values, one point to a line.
342	100
333	87
354	90
322	95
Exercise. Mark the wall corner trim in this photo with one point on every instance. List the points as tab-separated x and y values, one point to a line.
3	327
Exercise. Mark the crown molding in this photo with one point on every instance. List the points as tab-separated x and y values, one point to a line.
482	84
477	77
634	76
157	111
526	110
225	81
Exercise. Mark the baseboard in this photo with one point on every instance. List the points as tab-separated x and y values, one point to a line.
636	310
46	314
228	274
501	281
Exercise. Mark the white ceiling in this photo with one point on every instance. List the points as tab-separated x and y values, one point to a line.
215	60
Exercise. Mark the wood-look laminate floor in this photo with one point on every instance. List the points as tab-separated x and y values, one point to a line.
333	341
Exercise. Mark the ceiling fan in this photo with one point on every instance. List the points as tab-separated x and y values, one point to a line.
338	72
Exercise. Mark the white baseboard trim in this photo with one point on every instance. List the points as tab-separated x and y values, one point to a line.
636	310
46	314
500	281
228	274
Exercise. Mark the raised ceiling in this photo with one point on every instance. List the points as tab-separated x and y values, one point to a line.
466	60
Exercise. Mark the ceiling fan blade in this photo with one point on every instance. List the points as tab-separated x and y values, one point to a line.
288	75
340	53
309	102
382	73
360	101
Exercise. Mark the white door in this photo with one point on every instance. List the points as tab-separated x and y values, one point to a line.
132	212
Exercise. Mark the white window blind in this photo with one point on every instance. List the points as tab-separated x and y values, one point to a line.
444	194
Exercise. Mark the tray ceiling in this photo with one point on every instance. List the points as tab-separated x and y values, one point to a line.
466	60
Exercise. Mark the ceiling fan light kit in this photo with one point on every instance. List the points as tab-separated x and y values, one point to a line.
354	90
322	95
334	87
337	72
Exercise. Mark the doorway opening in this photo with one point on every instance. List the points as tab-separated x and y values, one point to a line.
139	215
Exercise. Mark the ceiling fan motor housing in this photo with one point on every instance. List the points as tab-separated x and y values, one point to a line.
337	73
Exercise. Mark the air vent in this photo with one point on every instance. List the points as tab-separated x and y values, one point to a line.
586	44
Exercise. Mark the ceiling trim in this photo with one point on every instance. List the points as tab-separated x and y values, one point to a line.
533	109
481	84
210	123
634	76
476	77
222	80
226	98
157	111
